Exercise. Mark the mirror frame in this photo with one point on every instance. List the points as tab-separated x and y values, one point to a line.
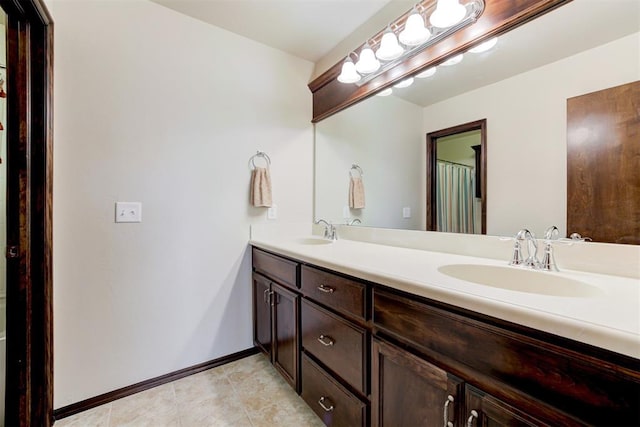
432	157
499	16
29	381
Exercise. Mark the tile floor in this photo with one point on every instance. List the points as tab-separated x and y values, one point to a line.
245	393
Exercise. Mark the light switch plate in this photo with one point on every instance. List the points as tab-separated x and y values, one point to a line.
128	212
272	212
406	212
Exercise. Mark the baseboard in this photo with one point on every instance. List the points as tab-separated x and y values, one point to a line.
75	408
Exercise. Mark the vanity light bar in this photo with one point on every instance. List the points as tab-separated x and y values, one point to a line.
370	64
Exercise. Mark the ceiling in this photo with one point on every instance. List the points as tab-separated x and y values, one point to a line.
308	29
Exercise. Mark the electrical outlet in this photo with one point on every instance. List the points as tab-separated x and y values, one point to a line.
406	212
128	212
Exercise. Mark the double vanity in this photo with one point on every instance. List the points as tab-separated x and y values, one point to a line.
371	331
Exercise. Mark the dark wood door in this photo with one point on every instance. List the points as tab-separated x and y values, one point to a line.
485	410
408	391
603	166
262	313
286	333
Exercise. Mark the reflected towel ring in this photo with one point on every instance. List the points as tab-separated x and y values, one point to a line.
356	168
261	154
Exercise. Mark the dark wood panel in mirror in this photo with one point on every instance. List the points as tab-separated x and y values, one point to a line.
603	164
499	16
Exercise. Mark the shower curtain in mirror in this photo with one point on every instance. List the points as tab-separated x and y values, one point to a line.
455	198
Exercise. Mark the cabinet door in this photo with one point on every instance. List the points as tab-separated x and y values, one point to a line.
408	391
262	313
487	411
286	338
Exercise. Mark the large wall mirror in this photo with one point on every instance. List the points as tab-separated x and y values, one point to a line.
520	87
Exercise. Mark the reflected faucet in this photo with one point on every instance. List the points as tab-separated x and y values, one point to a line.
329	230
354	221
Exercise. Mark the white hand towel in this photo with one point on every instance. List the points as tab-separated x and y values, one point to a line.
356	193
260	188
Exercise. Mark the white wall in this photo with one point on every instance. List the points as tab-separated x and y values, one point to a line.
383	135
526	131
156	107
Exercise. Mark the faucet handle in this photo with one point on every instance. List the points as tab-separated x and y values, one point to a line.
516	259
548	262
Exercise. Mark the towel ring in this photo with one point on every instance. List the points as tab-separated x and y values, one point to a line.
260	154
356	168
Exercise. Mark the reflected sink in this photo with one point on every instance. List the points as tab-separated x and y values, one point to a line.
313	241
520	280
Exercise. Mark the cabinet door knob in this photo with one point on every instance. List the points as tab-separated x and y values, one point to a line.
326	289
322	401
473	416
449	400
266	296
326	340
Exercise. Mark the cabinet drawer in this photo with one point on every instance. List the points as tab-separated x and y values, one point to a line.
337	292
328	399
337	343
283	270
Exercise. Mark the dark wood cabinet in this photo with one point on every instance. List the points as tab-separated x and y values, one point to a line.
286	339
337	343
276	313
365	354
276	328
334	404
484	410
409	391
262	313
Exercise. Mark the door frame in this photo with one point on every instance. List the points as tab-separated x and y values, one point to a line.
29	380
432	157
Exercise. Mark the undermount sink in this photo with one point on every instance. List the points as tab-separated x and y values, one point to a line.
313	241
520	280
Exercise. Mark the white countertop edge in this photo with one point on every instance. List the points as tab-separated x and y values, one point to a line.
615	340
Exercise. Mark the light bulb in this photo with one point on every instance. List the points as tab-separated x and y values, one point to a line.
414	32
367	63
448	13
348	73
427	73
389	47
404	83
483	47
453	61
385	92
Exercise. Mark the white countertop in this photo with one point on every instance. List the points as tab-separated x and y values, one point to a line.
610	320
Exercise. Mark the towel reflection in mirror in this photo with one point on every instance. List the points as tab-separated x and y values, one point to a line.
356	188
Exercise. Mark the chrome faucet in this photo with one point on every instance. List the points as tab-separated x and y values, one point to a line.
329	230
354	221
548	260
532	250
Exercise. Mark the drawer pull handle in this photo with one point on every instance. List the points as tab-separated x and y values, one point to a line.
265	294
474	415
449	400
326	340
326	289
325	407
